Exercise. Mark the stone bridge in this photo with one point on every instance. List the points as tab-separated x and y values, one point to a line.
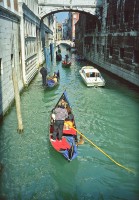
67	42
47	7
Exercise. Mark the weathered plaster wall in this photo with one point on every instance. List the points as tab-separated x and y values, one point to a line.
10	51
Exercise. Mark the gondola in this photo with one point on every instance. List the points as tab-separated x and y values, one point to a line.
68	145
66	64
58	57
53	81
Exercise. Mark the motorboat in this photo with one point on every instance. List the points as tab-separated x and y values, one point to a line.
91	76
58	57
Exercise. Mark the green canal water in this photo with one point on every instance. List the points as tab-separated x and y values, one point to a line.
109	117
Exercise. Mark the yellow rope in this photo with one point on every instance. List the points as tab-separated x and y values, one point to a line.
104	152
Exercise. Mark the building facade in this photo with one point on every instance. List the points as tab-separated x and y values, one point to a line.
73	17
25	43
110	40
65	29
31	38
58	31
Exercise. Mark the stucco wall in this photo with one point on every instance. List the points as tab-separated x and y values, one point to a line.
9	51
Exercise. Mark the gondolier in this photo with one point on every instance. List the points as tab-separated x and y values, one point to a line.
60	115
43	72
66	58
58	56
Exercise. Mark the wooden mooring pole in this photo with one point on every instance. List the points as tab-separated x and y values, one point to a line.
17	101
16	89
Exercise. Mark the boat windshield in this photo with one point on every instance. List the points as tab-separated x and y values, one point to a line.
97	75
93	74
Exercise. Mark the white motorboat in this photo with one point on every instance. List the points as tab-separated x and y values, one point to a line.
91	76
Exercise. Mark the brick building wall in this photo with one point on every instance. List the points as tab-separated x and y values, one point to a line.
123	38
115	39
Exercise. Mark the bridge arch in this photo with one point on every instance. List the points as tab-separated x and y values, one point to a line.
92	7
67	42
56	10
45	13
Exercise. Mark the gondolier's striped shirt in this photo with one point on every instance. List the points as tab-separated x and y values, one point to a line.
60	114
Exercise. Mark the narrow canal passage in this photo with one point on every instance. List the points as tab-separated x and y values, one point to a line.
107	116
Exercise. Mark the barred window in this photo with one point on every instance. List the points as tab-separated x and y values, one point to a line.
136	56
114	19
111	51
126	16
121	53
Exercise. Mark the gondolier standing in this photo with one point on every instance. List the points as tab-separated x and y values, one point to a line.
43	72
66	58
60	115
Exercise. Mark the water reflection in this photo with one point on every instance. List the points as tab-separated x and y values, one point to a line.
64	174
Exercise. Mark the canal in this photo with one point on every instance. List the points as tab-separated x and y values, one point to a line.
33	170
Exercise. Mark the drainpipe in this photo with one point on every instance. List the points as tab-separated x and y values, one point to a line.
39	60
51	51
43	42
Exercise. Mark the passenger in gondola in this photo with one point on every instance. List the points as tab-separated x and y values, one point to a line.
69	122
70	116
63	102
55	77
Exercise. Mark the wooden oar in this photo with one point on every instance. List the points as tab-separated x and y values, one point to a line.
130	170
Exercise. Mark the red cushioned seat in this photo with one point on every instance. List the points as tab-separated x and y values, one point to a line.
71	131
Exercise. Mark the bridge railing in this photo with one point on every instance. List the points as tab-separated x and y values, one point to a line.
69	42
69	2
